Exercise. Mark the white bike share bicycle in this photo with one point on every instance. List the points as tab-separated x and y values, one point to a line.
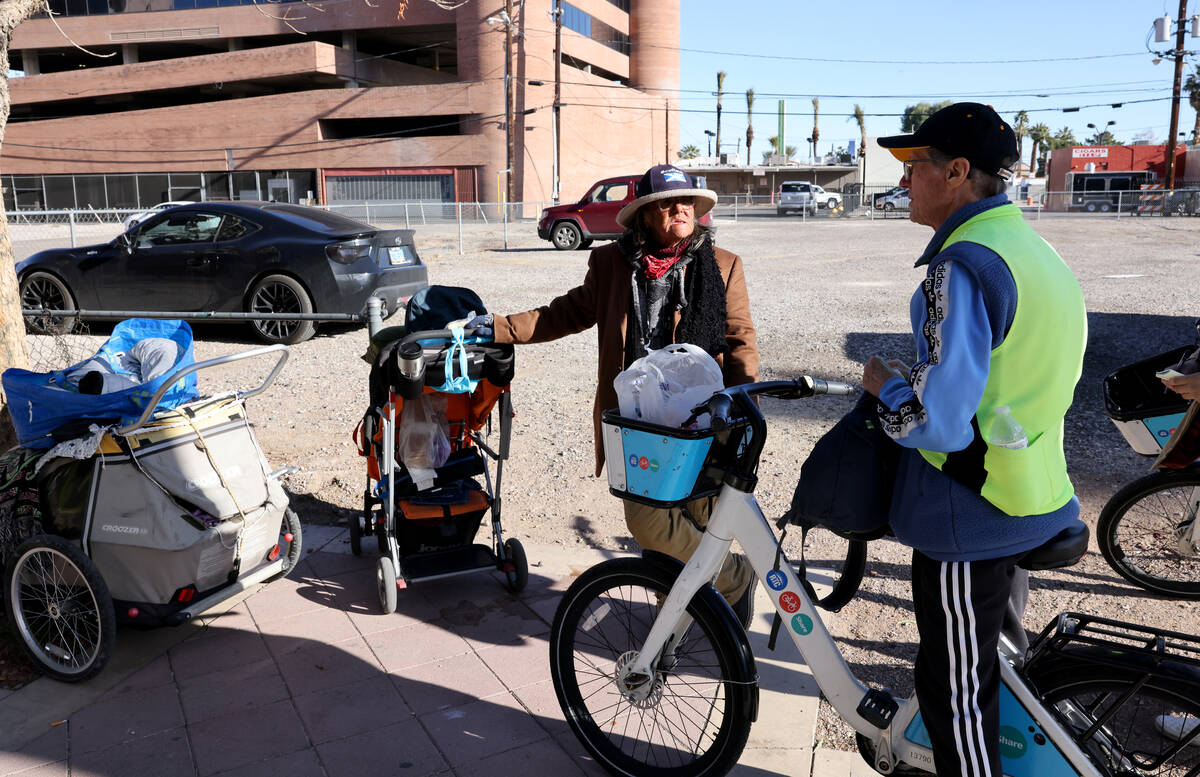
656	676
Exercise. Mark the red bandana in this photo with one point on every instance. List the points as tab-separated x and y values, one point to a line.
660	262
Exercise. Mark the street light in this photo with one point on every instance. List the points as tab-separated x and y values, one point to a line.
710	134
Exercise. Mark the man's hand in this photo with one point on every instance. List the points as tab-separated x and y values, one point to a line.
876	373
1186	386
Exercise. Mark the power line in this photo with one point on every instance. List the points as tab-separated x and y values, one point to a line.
1067	109
845	61
1032	91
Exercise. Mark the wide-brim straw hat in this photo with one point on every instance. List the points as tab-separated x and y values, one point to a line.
664	182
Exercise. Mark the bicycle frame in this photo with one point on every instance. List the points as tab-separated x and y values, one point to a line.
737	516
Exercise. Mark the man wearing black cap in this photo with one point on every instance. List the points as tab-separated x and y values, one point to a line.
1000	330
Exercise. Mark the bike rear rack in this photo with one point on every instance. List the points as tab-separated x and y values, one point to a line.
1078	635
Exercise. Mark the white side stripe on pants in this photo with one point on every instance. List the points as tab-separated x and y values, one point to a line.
963	654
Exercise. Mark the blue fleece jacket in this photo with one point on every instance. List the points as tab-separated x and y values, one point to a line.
973	311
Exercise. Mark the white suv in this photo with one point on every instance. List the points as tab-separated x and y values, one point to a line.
805	196
826	199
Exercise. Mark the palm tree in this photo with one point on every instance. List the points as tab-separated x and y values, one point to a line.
720	91
1192	87
749	123
1063	138
816	132
861	119
1020	128
689	152
1039	134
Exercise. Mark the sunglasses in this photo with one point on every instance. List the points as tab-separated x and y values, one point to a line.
908	166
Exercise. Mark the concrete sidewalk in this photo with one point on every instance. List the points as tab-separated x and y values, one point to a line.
305	677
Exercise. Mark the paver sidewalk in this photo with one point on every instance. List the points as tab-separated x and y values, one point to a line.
306	677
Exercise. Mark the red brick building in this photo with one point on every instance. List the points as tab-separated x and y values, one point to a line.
1100	159
335	99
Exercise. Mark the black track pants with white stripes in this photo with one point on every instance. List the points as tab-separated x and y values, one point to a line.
961	608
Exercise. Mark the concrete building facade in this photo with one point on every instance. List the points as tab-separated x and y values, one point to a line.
337	100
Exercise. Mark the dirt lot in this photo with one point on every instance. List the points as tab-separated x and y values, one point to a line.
825	295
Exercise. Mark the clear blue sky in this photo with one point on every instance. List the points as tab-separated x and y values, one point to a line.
900	37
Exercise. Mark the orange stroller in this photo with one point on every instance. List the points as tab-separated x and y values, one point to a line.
425	518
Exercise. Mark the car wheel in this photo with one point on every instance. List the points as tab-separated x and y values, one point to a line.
831	204
1090	207
281	294
43	290
1105	207
565	236
887	206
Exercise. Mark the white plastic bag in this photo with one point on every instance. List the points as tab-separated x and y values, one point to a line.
421	441
663	386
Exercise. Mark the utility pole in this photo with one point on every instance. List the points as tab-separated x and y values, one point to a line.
1175	94
508	102
558	11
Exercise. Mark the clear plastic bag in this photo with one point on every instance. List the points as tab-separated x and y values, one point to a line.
421	441
663	386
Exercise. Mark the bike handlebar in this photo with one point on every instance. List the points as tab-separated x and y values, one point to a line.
719	405
736	404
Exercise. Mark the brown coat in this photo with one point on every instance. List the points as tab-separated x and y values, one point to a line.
603	300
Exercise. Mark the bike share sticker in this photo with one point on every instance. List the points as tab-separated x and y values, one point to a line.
1012	742
776	580
789	601
802	624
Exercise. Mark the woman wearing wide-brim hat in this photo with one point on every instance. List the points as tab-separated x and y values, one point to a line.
663	282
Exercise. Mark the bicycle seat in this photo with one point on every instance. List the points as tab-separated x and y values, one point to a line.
1062	550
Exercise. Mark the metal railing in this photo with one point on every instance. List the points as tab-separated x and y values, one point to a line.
474	226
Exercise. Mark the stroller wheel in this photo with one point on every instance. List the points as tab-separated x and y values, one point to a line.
291	525
60	607
385	580
514	553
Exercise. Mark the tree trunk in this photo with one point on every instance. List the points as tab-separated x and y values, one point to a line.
1033	158
1196	129
13	351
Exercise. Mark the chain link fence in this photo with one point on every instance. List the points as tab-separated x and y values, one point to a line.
458	227
50	348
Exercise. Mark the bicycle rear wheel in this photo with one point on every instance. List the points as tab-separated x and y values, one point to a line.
1144	532
696	717
1153	732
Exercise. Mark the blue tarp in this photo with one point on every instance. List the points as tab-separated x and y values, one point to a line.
47	408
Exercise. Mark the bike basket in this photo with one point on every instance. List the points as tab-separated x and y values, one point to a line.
1144	410
659	465
1096	640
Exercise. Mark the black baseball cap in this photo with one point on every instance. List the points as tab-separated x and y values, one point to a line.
970	130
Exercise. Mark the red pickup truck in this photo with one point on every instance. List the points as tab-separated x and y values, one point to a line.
594	217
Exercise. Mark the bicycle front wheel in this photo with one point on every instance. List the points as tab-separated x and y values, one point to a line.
696	717
1145	533
1152	732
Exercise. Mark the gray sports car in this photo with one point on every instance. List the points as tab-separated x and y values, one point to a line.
259	257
